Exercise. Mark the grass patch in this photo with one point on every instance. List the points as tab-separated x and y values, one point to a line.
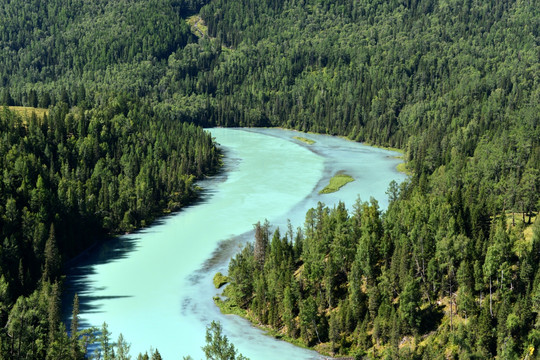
25	112
220	280
520	225
304	140
227	307
528	233
336	183
402	168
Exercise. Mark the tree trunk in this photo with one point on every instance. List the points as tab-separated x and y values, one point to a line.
490	298
451	309
316	331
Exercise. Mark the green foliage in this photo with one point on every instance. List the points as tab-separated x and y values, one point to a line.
401	284
76	174
409	304
217	345
33	328
220	280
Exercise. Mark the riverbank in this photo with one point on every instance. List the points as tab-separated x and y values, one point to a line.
227	308
156	216
402	167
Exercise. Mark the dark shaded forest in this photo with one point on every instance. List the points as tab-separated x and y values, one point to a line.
449	270
72	176
98	161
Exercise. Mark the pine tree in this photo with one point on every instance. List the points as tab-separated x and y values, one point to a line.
217	345
52	257
6	100
105	349
75	317
409	304
32	98
261	243
122	349
54	311
74	328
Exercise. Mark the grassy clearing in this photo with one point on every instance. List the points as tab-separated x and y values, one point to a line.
304	140
198	27
527	228
528	233
336	183
25	112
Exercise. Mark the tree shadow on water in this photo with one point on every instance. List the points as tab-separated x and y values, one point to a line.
80	270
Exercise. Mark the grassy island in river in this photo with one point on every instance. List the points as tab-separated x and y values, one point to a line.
336	183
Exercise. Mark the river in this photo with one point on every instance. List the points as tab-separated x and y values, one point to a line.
155	285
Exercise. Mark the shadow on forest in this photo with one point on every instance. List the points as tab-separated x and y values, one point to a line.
431	318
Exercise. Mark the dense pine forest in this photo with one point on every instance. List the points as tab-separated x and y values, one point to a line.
449	270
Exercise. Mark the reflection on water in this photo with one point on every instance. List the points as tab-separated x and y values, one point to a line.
155	285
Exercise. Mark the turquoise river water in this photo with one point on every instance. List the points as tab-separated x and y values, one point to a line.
155	285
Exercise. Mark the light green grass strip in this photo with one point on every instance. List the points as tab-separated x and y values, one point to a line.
227	307
303	139
26	112
336	183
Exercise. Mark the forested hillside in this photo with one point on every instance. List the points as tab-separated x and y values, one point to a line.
94	159
449	270
65	50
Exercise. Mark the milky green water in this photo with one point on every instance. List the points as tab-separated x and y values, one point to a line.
155	286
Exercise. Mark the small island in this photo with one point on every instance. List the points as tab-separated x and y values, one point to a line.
336	183
304	140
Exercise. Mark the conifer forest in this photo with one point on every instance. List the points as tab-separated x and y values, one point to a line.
102	110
